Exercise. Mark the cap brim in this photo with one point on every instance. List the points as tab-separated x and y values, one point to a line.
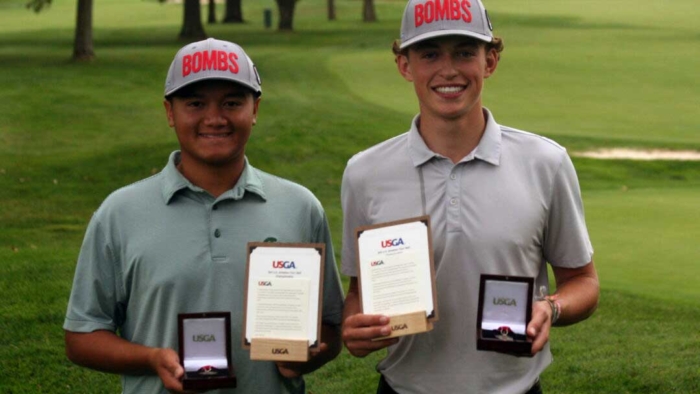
212	78
441	33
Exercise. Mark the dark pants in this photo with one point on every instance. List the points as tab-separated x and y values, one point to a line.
384	388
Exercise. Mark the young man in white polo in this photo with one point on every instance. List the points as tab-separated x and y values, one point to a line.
501	201
176	242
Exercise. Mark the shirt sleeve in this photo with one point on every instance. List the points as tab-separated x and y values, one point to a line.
332	290
566	240
94	300
353	217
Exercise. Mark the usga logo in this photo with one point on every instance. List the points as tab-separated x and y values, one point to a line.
283	264
399	327
376	263
504	301
392	242
264	283
280	350
203	338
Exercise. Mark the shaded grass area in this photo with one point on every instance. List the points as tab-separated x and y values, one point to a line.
624	348
629	352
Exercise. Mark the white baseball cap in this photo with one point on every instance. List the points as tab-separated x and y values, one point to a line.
211	59
425	19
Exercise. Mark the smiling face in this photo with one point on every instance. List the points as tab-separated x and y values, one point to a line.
448	75
213	121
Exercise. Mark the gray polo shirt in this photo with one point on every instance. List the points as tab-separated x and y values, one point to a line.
509	207
163	246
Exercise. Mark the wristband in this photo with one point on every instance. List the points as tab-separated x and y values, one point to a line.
553	303
556	309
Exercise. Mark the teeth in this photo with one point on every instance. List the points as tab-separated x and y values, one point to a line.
215	135
449	89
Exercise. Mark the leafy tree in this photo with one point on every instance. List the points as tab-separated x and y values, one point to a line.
331	10
38	5
234	13
82	44
286	9
212	12
368	14
192	28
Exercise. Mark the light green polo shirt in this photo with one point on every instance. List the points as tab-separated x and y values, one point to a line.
162	246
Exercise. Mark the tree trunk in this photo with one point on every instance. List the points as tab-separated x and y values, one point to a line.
192	28
331	10
82	46
368	14
234	13
286	9
212	12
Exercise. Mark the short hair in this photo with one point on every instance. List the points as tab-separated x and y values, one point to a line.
496	43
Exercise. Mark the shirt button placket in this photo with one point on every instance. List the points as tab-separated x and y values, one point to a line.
453	195
218	246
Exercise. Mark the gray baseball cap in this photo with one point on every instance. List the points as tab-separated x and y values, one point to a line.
425	19
211	59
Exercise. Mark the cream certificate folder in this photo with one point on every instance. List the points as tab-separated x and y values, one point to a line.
283	292
397	275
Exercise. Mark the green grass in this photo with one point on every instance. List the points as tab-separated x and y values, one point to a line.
588	74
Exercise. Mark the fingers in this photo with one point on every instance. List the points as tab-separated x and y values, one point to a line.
167	366
540	324
288	369
294	369
320	349
362	326
359	331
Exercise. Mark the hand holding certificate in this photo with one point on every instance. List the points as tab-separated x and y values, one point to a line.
397	276
283	300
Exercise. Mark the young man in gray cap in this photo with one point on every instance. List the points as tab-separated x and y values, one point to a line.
501	201
176	242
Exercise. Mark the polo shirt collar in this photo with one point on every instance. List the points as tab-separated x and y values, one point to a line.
419	151
174	181
488	149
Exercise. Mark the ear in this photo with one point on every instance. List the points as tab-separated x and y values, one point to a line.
491	62
256	103
404	67
169	112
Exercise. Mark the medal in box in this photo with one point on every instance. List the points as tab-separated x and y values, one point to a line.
205	350
505	309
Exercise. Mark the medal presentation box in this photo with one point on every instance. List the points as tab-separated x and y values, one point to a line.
505	309
205	350
283	300
397	274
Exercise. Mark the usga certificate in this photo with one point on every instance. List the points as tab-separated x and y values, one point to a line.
396	268
283	292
